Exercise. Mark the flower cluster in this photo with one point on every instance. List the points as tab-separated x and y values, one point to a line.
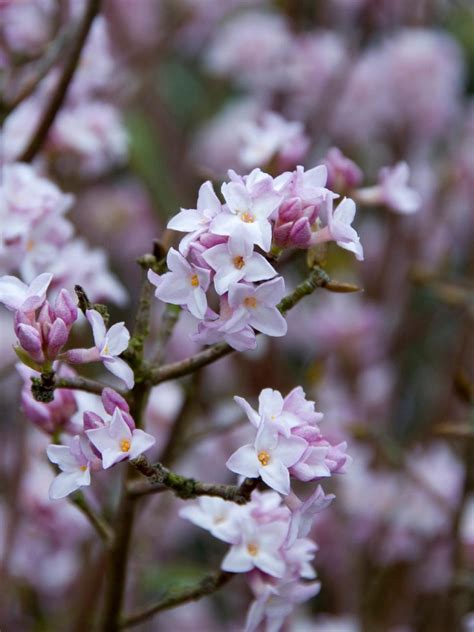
268	536
102	442
294	209
43	331
36	237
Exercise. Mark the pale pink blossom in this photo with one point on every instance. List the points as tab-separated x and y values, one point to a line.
74	464
269	457
272	137
109	344
260	305
276	602
185	284
392	191
258	547
282	413
217	516
339	227
236	261
250	203
16	295
116	442
196	221
231	326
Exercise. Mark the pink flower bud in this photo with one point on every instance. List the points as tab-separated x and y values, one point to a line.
92	420
343	173
281	234
128	419
300	233
65	308
82	356
290	210
46	314
57	338
30	341
112	400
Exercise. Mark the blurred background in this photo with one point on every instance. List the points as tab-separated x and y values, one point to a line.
170	93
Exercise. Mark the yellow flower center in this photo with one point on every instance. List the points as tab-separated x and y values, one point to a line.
250	301
195	280
238	262
125	445
30	245
264	457
247	217
83	468
252	549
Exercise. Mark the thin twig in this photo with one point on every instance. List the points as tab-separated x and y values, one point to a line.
186	488
82	384
316	278
100	525
59	94
206	586
45	64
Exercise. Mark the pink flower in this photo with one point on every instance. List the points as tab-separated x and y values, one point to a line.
339	227
16	295
303	515
217	516
343	173
395	191
117	442
276	601
108	346
196	221
74	464
269	457
282	414
259	547
236	261
250	203
271	137
231	326
185	284
392	190
260	305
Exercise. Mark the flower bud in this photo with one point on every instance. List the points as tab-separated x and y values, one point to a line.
57	338
30	341
112	400
300	233
65	308
92	420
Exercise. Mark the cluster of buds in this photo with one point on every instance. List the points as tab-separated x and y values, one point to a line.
42	330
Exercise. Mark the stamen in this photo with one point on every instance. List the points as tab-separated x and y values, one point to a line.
238	262
195	280
250	301
252	549
83	468
247	217
264	457
125	445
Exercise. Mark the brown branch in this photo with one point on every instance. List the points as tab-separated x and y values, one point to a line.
186	488
59	94
316	278
206	586
83	384
45	64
